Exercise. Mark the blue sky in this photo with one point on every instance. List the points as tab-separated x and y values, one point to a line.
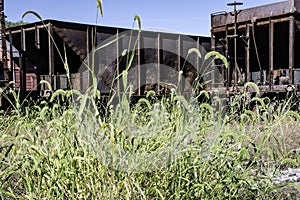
189	17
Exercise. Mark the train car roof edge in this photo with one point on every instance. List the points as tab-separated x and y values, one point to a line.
82	26
256	13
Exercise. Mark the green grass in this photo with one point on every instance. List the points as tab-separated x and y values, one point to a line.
58	152
169	148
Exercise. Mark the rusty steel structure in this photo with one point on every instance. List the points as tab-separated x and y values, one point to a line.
44	45
4	67
235	36
268	42
262	45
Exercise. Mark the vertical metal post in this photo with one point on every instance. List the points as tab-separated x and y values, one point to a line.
248	76
139	62
195	87
117	53
38	47
23	61
5	69
51	55
117	57
37	37
178	53
213	48
291	49
11	55
179	60
227	74
213	41
235	13
88	55
197	57
271	53
93	35
235	47
158	63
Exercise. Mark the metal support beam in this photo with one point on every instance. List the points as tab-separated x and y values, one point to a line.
197	57
11	62
228	77
158	63
37	37
5	69
291	49
117	57
139	62
236	71
51	55
271	54
248	75
38	48
93	40
213	48
23	61
179	60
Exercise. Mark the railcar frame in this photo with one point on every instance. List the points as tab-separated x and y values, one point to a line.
267	39
41	45
268	47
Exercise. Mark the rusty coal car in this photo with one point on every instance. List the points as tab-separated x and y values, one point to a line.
45	47
261	44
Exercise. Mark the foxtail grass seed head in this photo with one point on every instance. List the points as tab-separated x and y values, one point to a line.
146	136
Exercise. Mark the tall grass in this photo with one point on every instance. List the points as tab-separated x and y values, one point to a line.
50	151
168	148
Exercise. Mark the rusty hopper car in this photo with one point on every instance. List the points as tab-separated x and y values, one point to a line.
262	45
267	42
43	46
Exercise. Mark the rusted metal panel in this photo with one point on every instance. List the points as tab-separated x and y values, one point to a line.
80	39
150	62
253	14
263	90
296	4
242	26
75	39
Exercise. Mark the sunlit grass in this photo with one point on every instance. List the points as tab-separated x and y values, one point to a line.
158	148
45	151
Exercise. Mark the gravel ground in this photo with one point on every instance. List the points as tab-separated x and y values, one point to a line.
287	176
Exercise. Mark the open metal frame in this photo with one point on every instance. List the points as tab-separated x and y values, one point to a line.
268	46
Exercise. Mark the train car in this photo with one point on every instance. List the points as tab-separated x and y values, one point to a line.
45	46
262	45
